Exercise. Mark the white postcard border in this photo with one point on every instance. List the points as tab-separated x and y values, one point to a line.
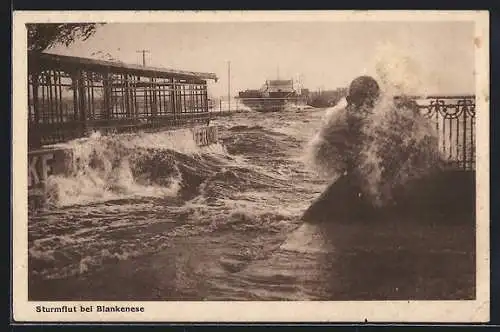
299	311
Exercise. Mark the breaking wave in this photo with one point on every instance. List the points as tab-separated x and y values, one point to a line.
145	164
400	146
131	195
395	144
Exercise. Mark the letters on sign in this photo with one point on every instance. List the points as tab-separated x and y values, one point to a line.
205	135
39	168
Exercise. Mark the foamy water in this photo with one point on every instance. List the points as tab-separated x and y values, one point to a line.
149	216
131	195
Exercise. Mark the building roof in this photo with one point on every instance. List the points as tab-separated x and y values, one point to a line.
102	65
280	82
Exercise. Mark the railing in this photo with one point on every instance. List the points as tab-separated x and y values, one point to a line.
454	118
68	98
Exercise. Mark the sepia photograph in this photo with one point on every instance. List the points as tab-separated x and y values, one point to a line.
251	166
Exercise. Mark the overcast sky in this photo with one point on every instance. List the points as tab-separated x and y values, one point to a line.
438	56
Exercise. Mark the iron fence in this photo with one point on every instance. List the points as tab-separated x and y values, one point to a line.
454	118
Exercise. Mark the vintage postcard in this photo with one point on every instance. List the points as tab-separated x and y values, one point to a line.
251	166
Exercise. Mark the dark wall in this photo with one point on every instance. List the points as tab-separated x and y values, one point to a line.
446	196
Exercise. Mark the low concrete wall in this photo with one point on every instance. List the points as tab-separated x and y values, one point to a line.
447	196
53	161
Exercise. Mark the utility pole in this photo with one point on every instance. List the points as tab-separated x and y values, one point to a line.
143	56
229	85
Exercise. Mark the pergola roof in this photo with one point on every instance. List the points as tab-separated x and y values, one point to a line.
47	59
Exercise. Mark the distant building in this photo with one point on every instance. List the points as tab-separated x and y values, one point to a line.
274	95
279	86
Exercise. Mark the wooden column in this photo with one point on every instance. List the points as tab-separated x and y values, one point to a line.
106	90
82	105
